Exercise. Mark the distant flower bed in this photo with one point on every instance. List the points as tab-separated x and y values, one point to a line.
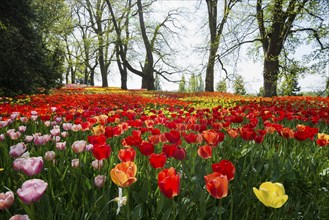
105	153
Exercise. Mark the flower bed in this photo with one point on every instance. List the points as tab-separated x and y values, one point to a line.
106	153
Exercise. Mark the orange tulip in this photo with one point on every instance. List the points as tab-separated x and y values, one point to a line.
217	185
211	137
123	174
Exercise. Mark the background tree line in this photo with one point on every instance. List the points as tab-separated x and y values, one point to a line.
46	43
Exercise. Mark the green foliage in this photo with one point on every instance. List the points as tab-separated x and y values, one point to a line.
193	83
157	84
239	85
289	85
261	91
200	84
26	65
181	87
221	86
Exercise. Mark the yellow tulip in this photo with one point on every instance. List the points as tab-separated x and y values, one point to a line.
271	194
1	169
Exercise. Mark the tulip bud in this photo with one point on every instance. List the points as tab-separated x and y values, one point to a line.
75	163
50	155
99	181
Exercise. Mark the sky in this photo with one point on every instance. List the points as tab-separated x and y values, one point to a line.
192	37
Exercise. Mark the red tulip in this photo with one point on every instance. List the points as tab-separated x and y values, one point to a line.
127	154
169	182
97	139
173	136
190	138
217	185
224	167
101	151
169	150
158	160
205	152
133	140
180	153
146	148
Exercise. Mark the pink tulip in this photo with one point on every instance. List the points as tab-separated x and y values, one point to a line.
34	117
19	217
14	135
17	150
28	138
6	200
22	128
3	124
55	132
40	140
14	115
24	119
32	190
47	123
76	128
79	146
67	126
2	137
50	155
64	134
30	166
99	181
97	164
89	147
9	131
75	163
61	145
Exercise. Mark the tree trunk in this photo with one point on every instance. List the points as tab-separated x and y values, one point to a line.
148	81
92	74
102	68
122	69
270	75
72	75
210	68
67	75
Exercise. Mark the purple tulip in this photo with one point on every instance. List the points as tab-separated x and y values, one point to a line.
32	190
30	166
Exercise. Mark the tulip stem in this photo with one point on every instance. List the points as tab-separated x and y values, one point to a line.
128	198
220	209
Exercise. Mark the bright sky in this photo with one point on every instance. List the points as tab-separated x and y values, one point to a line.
251	72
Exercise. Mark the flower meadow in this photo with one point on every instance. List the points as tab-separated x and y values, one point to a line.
95	153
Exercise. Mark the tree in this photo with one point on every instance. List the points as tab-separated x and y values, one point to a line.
157	84
181	87
289	85
221	86
239	85
26	65
200	84
150	37
102	27
193	83
280	20
216	30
